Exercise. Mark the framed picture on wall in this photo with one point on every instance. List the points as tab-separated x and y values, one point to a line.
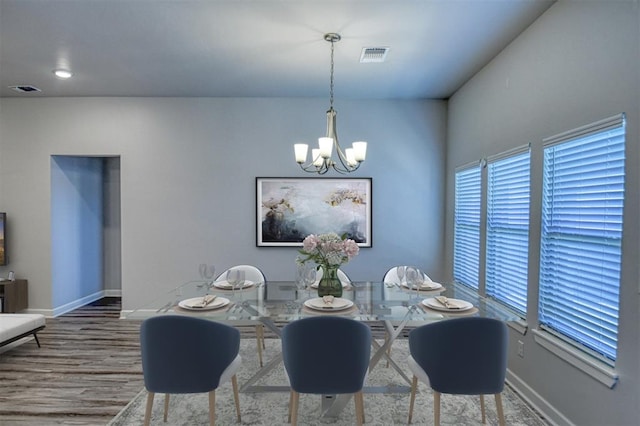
289	209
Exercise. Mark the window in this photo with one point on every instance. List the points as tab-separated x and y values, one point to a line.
583	196
466	239
507	250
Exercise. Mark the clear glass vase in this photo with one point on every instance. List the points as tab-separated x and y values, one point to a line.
330	284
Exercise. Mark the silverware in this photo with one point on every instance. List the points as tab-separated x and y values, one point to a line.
207	299
444	302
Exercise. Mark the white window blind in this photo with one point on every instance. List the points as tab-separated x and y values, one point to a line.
583	196
507	250
466	239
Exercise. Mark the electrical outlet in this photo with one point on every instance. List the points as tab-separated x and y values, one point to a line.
520	348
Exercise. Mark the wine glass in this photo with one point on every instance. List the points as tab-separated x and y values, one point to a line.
236	278
400	271
300	271
232	276
309	276
411	275
207	272
418	281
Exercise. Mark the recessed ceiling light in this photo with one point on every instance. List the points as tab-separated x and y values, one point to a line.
63	74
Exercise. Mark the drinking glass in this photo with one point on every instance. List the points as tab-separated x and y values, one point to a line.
236	278
309	277
207	272
418	281
414	281
300	271
400	272
232	277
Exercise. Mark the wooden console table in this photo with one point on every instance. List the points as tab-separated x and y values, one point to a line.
14	295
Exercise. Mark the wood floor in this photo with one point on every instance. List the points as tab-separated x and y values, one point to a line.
86	371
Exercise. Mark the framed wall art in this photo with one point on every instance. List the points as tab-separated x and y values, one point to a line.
289	209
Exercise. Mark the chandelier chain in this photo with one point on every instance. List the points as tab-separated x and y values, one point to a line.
331	78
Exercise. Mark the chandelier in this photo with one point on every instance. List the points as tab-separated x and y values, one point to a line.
321	158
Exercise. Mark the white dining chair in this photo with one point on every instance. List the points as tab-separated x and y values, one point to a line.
255	275
391	277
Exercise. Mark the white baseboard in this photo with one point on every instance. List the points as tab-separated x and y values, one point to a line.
68	307
115	292
535	400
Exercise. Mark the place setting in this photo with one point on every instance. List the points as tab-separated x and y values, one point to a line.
413	279
207	302
328	305
442	304
234	280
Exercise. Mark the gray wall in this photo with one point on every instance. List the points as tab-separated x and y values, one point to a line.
111	233
187	177
576	64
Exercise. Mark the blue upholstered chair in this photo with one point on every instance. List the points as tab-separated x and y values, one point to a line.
466	356
326	355
251	273
183	354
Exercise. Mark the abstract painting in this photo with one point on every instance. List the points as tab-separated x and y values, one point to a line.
289	209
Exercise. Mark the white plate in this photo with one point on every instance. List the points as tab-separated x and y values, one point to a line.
425	286
193	304
315	285
338	304
434	304
226	286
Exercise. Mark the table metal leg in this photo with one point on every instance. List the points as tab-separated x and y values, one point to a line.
335	405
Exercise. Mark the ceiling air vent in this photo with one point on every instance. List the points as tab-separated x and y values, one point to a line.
374	54
25	89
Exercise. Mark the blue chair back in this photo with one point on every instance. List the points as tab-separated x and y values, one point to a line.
463	355
326	354
183	354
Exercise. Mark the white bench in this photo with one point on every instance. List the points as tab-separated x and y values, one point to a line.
16	326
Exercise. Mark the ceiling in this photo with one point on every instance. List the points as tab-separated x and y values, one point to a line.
253	48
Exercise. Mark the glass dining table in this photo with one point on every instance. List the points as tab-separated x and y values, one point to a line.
390	306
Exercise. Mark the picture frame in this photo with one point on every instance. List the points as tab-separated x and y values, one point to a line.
289	209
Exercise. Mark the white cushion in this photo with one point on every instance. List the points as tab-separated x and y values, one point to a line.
417	370
12	325
228	372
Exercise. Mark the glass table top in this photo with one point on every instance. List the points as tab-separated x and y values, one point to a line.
284	301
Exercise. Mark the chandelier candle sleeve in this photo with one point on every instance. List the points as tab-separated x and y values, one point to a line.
359	150
351	157
326	144
317	158
301	152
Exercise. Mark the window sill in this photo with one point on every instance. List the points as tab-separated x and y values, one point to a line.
598	370
520	326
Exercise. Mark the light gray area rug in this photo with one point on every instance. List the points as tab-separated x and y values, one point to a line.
272	408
